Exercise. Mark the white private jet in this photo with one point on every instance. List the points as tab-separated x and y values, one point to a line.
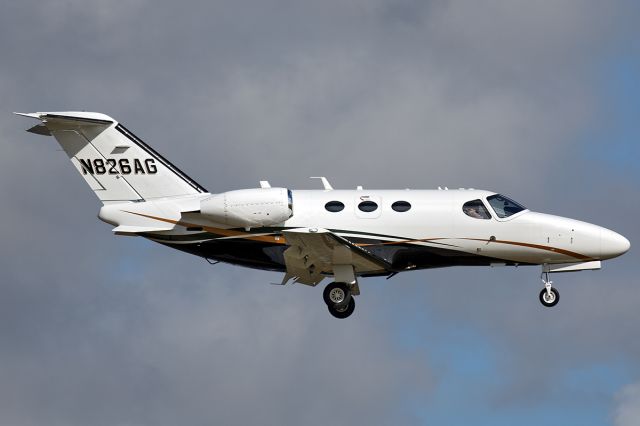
310	235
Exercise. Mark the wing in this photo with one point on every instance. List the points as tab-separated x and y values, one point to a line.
314	253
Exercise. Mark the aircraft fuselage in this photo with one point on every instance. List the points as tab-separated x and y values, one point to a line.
433	232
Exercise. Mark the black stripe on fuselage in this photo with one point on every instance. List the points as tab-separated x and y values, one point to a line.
268	256
152	152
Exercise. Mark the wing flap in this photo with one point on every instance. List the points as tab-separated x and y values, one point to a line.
313	253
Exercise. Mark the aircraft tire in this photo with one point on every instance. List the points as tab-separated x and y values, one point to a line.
333	290
342	312
549	301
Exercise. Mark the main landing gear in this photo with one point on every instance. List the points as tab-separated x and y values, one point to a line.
549	296
339	299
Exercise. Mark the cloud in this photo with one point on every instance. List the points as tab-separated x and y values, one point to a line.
627	411
103	330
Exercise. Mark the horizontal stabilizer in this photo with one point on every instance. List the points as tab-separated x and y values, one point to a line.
69	116
28	114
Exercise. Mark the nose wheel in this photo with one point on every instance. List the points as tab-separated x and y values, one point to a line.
549	296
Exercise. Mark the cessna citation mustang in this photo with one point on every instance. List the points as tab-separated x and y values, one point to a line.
310	235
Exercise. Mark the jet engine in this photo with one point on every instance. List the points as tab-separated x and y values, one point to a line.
249	208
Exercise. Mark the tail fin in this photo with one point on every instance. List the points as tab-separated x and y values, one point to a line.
113	161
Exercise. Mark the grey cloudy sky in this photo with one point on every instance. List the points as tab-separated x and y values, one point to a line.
533	99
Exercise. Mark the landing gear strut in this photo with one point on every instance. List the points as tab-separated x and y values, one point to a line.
339	299
549	296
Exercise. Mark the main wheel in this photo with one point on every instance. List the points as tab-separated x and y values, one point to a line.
343	311
336	294
549	300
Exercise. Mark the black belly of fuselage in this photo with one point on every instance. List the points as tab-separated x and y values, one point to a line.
269	256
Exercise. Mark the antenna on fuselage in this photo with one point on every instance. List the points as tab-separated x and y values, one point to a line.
325	183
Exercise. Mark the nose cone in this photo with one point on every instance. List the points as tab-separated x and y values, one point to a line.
613	244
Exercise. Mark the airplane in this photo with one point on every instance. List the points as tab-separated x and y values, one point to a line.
311	235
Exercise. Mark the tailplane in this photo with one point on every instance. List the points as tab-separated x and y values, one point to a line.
115	163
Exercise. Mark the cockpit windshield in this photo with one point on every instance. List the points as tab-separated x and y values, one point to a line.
503	206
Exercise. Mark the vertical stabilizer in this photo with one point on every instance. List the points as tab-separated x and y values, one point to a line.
115	163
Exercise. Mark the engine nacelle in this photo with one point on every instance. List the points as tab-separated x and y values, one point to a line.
249	208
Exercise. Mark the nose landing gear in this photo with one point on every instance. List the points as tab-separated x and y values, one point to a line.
549	296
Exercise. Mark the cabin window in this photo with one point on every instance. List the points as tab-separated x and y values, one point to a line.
334	206
503	206
476	210
368	206
401	206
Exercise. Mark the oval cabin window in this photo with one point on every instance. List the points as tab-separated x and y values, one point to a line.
368	206
401	206
334	206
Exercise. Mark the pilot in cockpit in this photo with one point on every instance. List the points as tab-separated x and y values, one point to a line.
472	211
